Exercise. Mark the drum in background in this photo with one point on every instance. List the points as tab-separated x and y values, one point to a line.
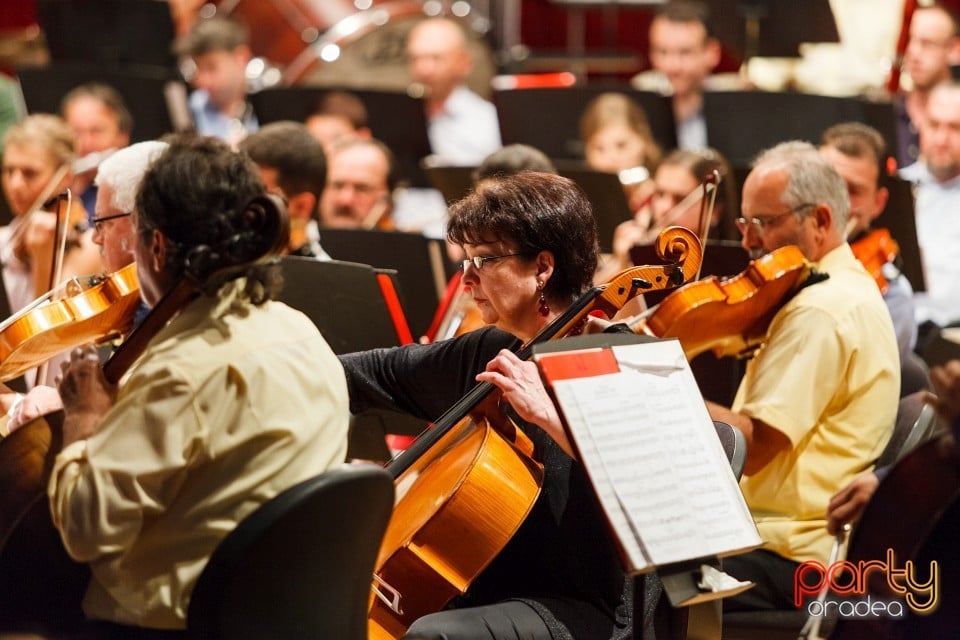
356	44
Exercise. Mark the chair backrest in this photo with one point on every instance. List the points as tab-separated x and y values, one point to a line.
734	445
301	565
916	422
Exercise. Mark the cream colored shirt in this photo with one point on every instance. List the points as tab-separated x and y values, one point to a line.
230	404
829	379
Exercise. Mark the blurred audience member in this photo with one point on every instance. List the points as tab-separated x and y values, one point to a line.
292	164
683	52
462	126
616	137
678	175
219	50
933	45
101	123
858	152
937	176
338	116
512	159
361	178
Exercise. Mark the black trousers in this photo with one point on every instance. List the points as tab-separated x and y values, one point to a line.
510	620
774	577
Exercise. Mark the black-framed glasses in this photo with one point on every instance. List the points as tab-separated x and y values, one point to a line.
96	222
478	261
761	223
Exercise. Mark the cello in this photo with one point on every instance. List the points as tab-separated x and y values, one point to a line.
39	582
464	488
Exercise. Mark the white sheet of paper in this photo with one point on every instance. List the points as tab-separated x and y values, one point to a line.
651	450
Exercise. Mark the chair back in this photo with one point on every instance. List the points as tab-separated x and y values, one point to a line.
916	422
734	445
301	565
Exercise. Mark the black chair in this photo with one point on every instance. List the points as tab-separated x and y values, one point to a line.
914	375
734	445
916	423
301	565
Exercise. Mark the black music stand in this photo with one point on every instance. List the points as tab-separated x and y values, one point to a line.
421	263
395	119
549	119
718	378
156	97
740	124
348	306
900	219
606	194
771	28
343	299
454	182
109	33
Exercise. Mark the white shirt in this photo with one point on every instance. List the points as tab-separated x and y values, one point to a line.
466	131
938	234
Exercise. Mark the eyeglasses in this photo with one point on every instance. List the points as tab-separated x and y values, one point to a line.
761	223
477	261
97	222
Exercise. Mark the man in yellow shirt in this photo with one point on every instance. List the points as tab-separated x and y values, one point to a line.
818	401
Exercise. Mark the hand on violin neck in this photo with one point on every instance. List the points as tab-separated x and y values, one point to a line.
85	392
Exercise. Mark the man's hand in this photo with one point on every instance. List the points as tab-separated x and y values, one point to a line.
39	401
847	505
85	393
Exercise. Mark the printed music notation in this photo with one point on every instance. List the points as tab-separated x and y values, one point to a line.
641	429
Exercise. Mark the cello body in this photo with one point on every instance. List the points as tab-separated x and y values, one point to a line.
38	580
485	485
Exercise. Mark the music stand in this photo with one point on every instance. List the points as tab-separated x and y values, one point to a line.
420	262
156	97
771	28
108	33
899	218
395	119
605	193
549	119
740	124
334	295
454	182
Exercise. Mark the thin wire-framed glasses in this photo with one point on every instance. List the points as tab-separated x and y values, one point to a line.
761	223
98	222
478	261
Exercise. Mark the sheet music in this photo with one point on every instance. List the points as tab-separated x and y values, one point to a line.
652	453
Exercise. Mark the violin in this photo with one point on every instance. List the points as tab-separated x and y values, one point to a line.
731	316
97	309
465	476
874	250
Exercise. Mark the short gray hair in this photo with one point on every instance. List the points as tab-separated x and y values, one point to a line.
123	171
811	178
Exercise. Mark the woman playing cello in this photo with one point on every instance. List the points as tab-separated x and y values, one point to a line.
531	248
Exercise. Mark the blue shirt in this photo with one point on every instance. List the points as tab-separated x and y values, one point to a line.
210	121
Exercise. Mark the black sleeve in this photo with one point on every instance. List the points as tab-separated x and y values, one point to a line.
421	380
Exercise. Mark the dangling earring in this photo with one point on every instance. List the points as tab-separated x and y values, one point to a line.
544	308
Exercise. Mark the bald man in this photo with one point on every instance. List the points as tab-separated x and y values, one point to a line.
462	126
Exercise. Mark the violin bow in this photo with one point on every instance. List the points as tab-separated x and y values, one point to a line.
710	185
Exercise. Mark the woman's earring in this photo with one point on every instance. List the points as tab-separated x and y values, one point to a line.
544	308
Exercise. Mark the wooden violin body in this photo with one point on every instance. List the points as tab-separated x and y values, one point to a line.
729	317
464	488
874	251
104	309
